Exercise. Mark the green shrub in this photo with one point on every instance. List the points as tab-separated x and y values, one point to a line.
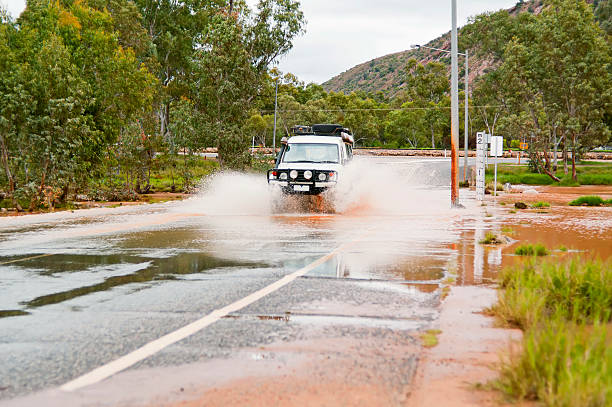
531	250
490	238
574	290
568	181
540	204
588	200
561	364
595	179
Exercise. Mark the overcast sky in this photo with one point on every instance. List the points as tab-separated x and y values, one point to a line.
343	33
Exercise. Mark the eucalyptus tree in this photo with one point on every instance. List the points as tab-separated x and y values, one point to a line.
428	87
231	67
70	90
561	79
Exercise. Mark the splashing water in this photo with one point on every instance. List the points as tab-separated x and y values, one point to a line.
379	188
367	186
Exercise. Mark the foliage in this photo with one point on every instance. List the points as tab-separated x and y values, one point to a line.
531	250
490	238
587	174
562	364
566	359
587	200
553	80
429	338
68	89
575	290
540	205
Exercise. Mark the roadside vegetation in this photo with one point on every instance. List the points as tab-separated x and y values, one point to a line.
590	200
565	310
537	249
587	173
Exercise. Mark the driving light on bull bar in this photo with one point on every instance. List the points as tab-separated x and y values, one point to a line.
283	175
307	174
322	176
293	174
333	176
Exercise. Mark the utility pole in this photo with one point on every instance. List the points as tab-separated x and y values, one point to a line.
275	109
467	113
454	110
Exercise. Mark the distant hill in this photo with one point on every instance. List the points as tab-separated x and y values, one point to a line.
387	73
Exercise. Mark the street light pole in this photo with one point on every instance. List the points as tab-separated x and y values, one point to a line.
454	110
275	109
466	128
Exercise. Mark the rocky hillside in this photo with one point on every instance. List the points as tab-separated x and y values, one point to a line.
387	73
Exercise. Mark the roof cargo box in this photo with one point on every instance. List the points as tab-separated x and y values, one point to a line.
330	129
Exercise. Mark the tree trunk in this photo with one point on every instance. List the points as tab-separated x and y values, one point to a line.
574	175
36	199
546	168
433	140
555	149
9	175
565	154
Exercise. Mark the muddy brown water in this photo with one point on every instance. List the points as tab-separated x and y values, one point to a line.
566	232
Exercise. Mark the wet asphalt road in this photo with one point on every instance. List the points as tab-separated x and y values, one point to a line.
78	290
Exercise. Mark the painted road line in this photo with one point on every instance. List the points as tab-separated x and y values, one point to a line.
151	348
27	258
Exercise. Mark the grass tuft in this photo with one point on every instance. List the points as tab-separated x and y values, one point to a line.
565	310
490	238
540	204
429	338
587	200
561	364
531	250
579	291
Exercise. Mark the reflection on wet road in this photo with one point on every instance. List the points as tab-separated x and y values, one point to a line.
79	290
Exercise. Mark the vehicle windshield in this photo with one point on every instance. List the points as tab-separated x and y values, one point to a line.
311	153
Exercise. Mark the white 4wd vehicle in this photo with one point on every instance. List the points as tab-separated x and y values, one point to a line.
311	160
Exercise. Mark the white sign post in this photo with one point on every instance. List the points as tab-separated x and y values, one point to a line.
497	150
481	148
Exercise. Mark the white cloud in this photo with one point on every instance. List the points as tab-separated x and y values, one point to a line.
343	33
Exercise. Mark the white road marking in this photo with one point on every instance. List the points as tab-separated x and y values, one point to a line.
151	348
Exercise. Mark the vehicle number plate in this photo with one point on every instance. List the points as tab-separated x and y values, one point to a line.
301	188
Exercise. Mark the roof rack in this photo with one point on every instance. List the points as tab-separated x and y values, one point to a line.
324	130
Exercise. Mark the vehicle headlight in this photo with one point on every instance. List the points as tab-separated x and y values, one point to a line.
283	175
322	176
307	174
333	176
293	174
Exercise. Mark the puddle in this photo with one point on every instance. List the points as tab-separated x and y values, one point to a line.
316	319
160	269
367	322
584	232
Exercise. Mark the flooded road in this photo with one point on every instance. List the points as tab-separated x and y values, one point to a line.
80	290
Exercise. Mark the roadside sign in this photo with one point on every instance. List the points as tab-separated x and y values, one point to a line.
524	146
481	148
497	146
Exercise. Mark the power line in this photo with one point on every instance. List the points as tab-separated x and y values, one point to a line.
376	109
